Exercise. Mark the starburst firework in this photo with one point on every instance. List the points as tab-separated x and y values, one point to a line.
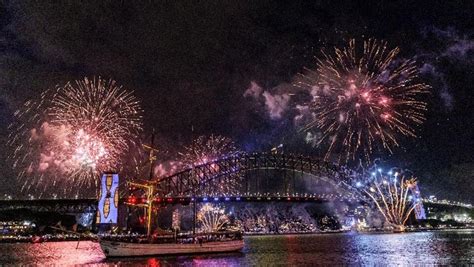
363	97
207	149
73	133
212	218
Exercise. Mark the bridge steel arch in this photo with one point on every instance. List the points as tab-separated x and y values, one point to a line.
211	174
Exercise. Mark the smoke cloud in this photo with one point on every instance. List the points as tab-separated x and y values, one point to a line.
457	49
457	46
275	104
439	77
254	90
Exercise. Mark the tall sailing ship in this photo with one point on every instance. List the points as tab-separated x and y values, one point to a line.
167	243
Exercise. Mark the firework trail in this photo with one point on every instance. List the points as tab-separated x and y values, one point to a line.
212	218
73	133
392	194
363	97
206	149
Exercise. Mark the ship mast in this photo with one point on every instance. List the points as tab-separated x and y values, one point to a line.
148	206
149	188
151	156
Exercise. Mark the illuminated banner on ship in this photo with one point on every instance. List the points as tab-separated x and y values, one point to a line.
108	199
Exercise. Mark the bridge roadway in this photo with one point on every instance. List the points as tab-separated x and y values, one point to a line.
90	205
187	200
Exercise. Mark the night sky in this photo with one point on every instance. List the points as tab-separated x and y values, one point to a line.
192	63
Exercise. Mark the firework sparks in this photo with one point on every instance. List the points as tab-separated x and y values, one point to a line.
363	97
392	194
206	149
212	218
73	133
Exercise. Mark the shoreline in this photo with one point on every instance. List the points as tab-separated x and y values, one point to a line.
30	239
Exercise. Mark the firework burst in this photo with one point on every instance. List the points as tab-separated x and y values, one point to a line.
392	194
212	218
206	149
363	97
73	133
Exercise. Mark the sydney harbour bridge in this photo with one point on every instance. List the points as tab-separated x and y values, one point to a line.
256	177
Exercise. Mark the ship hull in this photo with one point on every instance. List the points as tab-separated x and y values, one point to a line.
125	249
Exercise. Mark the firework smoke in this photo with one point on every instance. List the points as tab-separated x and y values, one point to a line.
73	133
362	98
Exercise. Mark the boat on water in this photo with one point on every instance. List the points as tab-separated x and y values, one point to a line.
172	245
168	243
165	243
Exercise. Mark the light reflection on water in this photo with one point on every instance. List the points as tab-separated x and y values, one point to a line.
446	247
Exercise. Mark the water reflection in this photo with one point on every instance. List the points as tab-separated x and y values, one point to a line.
446	248
222	259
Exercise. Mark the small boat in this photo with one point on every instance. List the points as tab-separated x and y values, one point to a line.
204	243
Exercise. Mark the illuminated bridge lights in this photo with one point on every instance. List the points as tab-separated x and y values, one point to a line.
133	201
138	201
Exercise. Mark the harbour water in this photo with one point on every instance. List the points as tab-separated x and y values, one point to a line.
450	247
